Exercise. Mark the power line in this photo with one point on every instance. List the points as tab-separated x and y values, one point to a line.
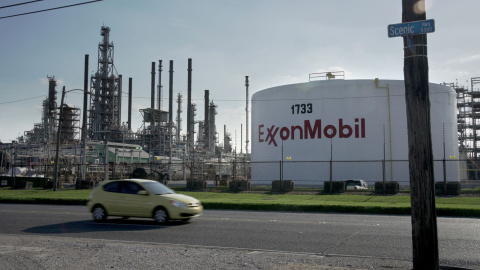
8	102
43	10
19	4
240	100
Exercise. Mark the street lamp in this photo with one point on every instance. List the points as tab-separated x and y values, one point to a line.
55	173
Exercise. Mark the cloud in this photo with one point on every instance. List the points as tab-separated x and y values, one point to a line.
38	108
358	48
464	60
43	81
288	79
459	76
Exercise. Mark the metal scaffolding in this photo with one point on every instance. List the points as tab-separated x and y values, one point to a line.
70	124
154	135
51	110
45	131
105	101
468	118
179	118
212	129
468	123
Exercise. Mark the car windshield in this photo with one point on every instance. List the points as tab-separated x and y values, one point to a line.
353	183
157	188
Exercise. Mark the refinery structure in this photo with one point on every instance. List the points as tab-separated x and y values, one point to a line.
468	118
94	143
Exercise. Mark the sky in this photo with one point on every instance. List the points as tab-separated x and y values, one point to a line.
274	42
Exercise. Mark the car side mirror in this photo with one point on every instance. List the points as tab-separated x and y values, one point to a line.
142	192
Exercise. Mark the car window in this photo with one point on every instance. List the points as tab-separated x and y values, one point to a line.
112	187
157	188
130	188
353	183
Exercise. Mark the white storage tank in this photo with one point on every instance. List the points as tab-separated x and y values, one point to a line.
345	129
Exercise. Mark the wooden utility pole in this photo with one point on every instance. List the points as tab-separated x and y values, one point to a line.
422	185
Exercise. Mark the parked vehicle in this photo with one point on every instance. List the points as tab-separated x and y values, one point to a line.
356	184
141	198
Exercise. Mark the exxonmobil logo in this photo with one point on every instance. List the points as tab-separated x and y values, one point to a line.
309	131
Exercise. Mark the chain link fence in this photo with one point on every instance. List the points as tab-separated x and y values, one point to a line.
311	174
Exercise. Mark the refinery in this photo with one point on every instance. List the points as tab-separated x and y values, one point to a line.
95	144
326	128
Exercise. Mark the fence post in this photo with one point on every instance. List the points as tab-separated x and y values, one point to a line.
383	162
280	165
444	168
383	170
331	160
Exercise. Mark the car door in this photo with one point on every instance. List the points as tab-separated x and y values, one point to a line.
132	203
111	198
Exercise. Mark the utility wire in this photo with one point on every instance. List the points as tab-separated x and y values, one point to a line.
8	102
124	94
19	4
43	10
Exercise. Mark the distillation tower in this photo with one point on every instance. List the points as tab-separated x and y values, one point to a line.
105	101
45	131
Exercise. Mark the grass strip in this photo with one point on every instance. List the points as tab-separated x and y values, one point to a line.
344	203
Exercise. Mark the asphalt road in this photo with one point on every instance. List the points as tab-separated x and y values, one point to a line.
247	239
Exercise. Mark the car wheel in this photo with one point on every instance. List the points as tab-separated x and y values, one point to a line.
99	213
160	215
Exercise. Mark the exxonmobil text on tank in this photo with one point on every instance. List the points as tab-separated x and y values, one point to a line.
311	131
358	124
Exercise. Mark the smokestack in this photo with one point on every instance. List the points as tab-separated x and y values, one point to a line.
207	102
179	118
52	95
130	103
241	138
120	82
211	127
246	110
85	100
152	99
84	120
170	94
159	84
189	102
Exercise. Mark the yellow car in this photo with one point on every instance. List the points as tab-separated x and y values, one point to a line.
141	198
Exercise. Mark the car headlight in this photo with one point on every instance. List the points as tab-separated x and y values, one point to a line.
178	203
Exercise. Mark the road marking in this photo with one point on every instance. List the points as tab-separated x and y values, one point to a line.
289	221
